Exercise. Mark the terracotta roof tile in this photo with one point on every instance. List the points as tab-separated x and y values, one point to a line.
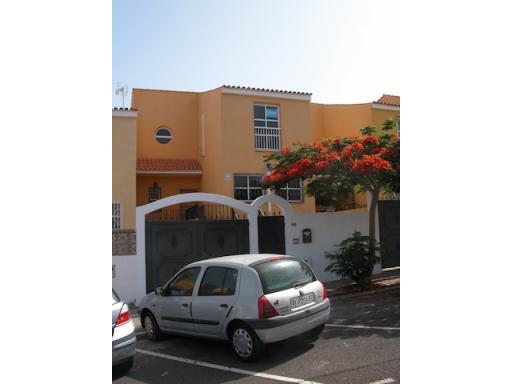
265	90
147	164
389	100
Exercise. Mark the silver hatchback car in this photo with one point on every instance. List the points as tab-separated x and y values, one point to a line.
123	333
250	300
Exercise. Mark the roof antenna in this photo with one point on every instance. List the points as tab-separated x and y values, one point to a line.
121	90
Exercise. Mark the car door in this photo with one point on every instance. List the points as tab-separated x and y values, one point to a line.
217	293
175	304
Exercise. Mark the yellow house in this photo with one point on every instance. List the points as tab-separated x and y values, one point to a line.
216	141
124	159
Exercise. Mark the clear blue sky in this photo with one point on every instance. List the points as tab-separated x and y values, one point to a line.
341	51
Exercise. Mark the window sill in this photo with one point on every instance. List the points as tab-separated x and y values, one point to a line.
266	150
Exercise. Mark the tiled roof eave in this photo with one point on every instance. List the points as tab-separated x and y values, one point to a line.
266	90
168	165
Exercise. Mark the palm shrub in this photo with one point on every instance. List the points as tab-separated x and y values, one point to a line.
353	258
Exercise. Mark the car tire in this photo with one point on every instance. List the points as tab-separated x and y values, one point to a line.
151	327
245	343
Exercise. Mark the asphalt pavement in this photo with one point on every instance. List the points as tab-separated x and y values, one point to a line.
360	345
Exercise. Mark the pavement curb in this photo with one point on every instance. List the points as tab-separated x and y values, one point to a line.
365	293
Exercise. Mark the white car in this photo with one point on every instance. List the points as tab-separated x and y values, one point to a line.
250	300
123	333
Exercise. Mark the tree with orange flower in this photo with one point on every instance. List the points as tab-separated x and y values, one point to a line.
333	167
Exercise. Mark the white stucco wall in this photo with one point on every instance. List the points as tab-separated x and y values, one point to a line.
123	277
328	228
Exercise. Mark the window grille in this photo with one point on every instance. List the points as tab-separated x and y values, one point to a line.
248	187
267	131
116	215
292	191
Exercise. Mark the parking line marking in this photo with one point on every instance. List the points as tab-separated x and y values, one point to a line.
228	369
384	381
356	326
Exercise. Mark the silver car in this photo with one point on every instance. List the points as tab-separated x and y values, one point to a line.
250	300
123	333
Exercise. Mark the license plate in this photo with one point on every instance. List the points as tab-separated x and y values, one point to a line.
302	300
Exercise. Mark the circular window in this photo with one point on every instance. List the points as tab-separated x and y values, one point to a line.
163	135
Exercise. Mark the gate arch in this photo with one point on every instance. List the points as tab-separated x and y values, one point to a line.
251	211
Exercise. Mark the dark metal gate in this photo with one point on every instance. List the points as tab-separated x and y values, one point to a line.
389	228
170	245
271	234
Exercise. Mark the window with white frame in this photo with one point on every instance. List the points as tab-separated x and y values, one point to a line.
292	191
398	127
116	215
248	187
267	132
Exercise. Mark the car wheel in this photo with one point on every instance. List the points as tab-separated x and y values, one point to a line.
151	327
245	343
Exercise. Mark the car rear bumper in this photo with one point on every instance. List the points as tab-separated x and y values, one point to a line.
284	327
123	343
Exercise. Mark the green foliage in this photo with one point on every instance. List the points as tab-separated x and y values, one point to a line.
353	259
368	130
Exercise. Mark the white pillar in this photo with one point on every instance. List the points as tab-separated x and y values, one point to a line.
140	269
253	231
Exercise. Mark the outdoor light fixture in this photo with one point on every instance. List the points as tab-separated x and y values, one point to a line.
155	192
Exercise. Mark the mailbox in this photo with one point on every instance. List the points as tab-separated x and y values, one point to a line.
307	235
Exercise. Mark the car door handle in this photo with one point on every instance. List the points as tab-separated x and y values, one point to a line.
184	305
224	306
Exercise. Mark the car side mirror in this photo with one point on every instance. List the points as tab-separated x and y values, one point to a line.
159	291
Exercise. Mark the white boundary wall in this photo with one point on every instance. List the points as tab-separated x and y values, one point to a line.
123	276
328	229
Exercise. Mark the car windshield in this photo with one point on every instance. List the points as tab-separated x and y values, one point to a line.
280	274
115	298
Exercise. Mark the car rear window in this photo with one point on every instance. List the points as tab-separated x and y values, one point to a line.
280	274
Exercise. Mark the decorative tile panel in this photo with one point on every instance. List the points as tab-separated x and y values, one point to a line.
124	242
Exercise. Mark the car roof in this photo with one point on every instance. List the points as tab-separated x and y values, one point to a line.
243	260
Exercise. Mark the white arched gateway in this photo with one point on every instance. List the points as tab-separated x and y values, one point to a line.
251	210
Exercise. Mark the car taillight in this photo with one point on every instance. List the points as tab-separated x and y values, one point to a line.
265	309
124	317
324	295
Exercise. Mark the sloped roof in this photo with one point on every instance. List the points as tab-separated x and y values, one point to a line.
266	90
149	164
391	100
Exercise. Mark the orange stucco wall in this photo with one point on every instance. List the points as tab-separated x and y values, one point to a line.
380	115
237	145
124	147
170	185
210	136
174	110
